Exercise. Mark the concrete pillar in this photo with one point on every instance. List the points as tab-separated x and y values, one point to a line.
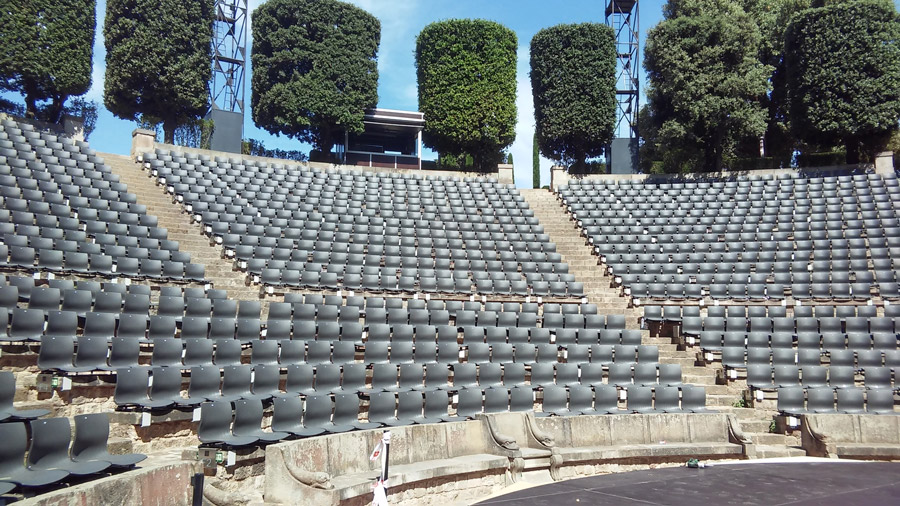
74	127
419	148
142	141
558	177
505	173
884	162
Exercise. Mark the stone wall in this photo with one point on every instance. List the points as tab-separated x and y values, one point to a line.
165	485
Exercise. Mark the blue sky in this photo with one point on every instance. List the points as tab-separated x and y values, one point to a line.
401	21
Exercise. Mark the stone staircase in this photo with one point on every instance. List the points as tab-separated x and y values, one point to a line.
757	425
575	251
181	227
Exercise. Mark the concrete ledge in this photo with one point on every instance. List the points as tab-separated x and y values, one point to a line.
591	440
488	453
335	468
152	486
867	437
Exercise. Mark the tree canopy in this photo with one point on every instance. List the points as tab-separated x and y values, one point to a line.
158	60
466	72
705	83
46	47
843	74
573	84
315	69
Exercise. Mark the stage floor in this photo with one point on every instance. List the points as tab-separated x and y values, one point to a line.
762	483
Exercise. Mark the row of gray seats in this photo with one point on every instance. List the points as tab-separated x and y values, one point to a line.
238	424
231	183
798	401
159	388
55	190
763	377
859	204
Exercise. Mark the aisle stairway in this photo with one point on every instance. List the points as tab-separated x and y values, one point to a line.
575	251
180	227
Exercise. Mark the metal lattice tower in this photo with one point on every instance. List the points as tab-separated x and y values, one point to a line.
229	56
622	16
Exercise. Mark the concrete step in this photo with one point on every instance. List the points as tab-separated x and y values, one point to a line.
771	452
179	225
756	426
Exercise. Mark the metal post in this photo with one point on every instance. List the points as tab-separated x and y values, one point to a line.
197	483
387	456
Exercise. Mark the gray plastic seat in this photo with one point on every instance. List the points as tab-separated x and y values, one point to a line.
204	385
606	400
197	351
167	352
820	400
287	417
640	399
12	459
880	402
248	416
215	426
228	352
50	440
91	439
790	401
850	401
237	382
436	403
555	401
693	399
7	393
468	405
317	415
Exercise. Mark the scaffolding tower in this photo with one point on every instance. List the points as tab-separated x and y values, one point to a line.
622	16
229	55
226	89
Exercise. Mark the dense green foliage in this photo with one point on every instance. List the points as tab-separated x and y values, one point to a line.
466	73
535	163
315	69
46	48
257	148
705	84
573	84
772	17
158	60
843	74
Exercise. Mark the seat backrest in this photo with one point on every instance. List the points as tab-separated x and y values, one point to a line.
50	438
215	421
91	436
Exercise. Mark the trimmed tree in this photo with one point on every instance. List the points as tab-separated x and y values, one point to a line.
46	50
706	83
466	70
535	163
315	69
843	75
158	61
573	84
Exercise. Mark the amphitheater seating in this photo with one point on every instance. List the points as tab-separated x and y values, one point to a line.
820	237
294	227
414	362
45	453
811	358
64	212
